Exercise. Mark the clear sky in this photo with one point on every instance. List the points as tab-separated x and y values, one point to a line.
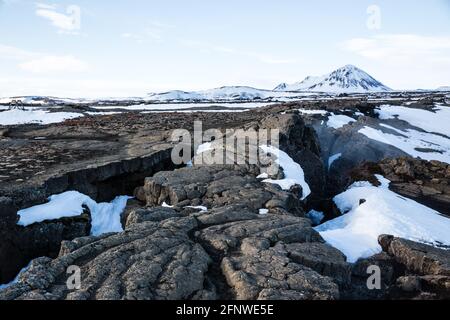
132	47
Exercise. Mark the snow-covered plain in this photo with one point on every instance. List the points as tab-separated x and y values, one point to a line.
412	142
224	94
356	232
436	120
184	106
105	216
293	172
31	115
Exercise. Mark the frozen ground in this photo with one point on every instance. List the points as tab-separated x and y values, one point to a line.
437	120
184	106
424	145
29	115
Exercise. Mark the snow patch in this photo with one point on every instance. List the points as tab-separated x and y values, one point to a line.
306	111
384	212
338	121
293	172
165	205
16	116
105	216
333	158
418	144
201	208
436	120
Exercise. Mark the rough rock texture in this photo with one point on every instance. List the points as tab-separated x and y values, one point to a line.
427	182
229	251
150	260
269	274
21	244
428	268
409	270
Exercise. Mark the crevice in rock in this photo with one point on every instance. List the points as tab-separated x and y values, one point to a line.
103	183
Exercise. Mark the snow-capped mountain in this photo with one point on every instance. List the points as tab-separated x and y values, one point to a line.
282	87
348	79
445	88
175	95
231	93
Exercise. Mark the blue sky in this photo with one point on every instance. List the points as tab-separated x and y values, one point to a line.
131	47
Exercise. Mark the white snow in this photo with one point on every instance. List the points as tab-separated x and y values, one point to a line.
207	146
165	205
437	121
264	175
333	158
15	116
409	140
227	93
356	232
166	107
100	113
307	111
105	216
293	172
197	111
201	208
315	216
338	121
263	211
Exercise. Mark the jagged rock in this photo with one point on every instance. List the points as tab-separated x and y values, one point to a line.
322	258
274	228
270	274
150	260
230	195
155	214
417	257
428	268
228	251
21	244
176	253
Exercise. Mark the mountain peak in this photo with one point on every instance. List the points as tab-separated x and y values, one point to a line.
347	79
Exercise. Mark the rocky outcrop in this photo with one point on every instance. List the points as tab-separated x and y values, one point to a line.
151	260
209	231
101	182
408	270
427	273
212	243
